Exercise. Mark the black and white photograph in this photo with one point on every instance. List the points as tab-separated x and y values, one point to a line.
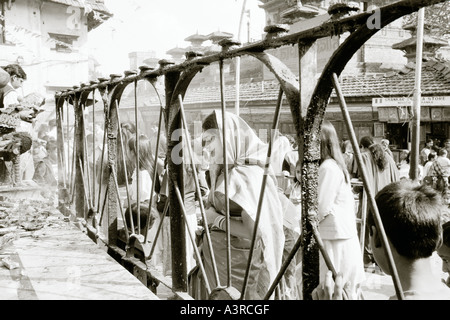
229	157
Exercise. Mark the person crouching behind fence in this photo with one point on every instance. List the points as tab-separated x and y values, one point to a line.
145	171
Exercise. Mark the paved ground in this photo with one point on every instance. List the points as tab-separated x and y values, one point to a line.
64	264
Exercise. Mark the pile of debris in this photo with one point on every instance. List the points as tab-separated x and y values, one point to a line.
29	218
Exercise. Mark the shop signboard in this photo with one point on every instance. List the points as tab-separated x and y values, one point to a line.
441	101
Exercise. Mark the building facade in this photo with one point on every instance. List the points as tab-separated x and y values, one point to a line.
378	82
48	39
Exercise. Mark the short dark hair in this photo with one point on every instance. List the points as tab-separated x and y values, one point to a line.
431	155
442	152
411	215
15	70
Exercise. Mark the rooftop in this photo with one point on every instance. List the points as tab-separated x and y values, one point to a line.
435	81
96	10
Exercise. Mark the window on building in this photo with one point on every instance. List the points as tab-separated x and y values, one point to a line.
63	42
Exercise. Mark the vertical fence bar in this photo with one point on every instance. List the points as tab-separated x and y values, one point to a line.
80	204
69	167
86	159
370	196
199	194
136	119
275	121
62	187
175	170
103	92
94	157
112	193
415	151
225	171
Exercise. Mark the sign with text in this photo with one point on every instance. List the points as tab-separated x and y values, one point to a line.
440	101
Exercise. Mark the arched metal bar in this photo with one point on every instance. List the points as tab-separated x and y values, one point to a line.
80	204
70	167
94	157
138	178
276	118
104	94
83	104
86	158
112	190
61	159
197	190
62	181
286	78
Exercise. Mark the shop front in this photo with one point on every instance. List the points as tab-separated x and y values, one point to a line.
395	114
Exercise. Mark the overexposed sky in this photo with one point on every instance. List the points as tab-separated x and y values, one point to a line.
160	25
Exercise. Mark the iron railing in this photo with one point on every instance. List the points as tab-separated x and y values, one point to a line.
94	194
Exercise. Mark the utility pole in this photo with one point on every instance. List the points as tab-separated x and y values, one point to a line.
414	159
238	62
248	26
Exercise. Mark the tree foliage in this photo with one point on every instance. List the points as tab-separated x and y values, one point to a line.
437	19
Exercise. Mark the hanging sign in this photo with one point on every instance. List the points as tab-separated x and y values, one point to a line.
408	101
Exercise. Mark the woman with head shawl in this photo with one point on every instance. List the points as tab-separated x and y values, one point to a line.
381	170
245	157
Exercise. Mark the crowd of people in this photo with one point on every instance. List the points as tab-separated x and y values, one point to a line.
416	208
37	152
279	224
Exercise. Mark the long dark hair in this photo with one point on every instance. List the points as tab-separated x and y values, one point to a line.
146	158
210	122
377	151
330	147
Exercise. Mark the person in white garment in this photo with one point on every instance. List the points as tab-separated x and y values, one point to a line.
336	213
10	98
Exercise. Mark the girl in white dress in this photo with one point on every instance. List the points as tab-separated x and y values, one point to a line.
336	213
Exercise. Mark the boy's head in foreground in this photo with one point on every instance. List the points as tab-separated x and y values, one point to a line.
411	217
